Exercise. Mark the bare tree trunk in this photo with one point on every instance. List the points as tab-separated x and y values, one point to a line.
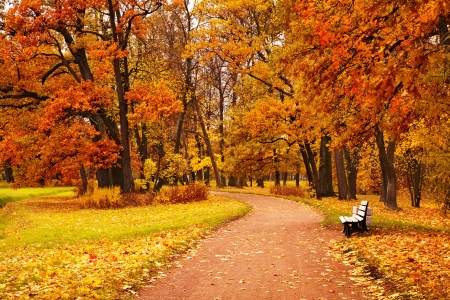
307	165
84	182
260	182
208	144
386	156
179	131
352	170
414	177
341	176
326	168
314	172
8	173
223	181
122	85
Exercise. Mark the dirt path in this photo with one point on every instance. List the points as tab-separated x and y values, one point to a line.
279	251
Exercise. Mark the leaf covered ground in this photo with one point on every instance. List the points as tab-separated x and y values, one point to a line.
63	253
406	254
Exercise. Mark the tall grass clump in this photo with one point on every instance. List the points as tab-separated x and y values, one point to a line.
288	191
102	198
183	194
111	198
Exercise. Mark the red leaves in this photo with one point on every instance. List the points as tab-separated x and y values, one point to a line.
365	54
151	101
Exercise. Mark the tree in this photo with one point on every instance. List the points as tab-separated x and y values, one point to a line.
362	60
80	48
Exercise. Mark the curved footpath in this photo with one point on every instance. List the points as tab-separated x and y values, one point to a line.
278	251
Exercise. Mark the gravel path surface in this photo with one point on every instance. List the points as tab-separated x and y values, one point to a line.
278	251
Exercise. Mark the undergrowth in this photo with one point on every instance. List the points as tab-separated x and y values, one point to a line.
111	198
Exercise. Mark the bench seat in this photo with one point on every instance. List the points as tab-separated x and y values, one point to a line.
356	222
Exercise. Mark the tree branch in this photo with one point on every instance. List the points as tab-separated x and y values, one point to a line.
272	86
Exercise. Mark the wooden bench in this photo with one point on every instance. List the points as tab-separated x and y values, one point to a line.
357	222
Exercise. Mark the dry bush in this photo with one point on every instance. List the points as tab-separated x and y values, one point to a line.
102	198
111	198
288	191
183	194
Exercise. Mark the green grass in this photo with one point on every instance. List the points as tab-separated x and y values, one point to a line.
8	194
51	249
42	223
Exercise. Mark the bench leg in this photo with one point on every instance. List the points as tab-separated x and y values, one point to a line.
346	230
352	227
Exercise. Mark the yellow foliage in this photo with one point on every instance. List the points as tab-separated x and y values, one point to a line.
150	168
177	167
102	198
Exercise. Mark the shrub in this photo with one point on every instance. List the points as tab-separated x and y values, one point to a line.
288	191
111	198
183	194
102	198
141	186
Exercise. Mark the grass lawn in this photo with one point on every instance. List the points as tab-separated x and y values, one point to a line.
50	249
405	255
8	194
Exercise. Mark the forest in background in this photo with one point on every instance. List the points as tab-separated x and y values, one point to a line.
176	91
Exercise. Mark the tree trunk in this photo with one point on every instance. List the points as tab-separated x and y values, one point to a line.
352	170
297	179
241	182
142	142
285	175
277	172
277	178
207	176
221	129
128	182
103	179
314	172
8	173
84	182
414	178
260	182
200	175
326	168
122	85
307	165
232	181
186	96
341	176
386	156
179	131
208	144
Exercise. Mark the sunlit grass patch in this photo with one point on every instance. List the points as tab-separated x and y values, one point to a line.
62	252
8	194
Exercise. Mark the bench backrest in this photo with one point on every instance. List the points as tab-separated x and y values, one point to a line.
362	209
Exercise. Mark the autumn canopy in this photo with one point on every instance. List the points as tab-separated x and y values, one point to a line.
350	95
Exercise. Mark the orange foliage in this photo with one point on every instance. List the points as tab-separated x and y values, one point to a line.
151	102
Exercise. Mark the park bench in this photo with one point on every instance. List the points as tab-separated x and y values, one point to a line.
358	221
